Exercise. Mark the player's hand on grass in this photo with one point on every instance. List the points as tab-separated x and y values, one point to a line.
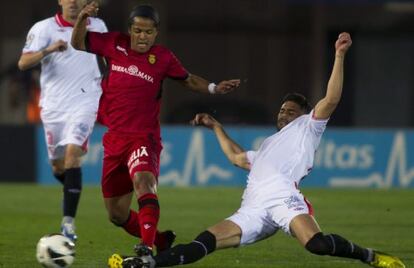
343	43
206	120
226	86
89	10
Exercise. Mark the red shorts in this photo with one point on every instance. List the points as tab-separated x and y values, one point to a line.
124	155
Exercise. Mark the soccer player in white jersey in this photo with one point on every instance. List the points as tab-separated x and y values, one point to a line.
272	200
70	92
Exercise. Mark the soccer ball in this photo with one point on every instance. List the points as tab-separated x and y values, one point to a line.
55	251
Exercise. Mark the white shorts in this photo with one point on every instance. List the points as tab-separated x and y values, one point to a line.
63	128
259	223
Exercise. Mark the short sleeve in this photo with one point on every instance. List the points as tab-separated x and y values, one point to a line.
100	43
317	126
37	39
175	69
251	156
102	27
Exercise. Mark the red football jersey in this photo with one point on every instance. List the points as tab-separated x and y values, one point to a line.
131	98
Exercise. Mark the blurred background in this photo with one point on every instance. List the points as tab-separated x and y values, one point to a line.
274	47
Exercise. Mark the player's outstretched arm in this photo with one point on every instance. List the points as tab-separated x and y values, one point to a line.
79	30
231	149
327	105
197	83
29	60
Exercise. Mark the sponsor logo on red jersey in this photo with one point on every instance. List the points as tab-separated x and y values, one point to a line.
134	71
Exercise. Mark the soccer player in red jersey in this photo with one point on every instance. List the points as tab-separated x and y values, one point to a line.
129	107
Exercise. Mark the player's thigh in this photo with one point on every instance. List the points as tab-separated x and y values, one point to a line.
78	129
292	212
144	159
73	154
115	181
227	233
304	227
54	125
255	224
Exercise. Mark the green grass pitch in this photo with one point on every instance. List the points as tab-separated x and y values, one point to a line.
373	218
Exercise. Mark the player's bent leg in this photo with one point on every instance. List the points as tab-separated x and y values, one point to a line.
118	209
145	185
58	169
304	227
227	234
73	154
147	220
72	188
121	215
307	231
222	235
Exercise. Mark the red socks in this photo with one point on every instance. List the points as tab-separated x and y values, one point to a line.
132	227
132	224
148	216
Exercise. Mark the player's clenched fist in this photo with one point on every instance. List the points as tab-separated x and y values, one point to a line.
90	10
204	119
343	43
59	45
226	86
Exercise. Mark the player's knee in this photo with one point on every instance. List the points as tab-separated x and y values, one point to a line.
73	156
72	162
145	182
208	240
319	244
57	168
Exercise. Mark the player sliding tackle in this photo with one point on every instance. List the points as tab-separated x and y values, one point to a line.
272	200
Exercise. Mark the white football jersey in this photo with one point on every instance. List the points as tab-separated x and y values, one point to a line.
70	79
283	159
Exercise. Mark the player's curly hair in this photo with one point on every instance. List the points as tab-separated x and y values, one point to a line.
145	11
300	100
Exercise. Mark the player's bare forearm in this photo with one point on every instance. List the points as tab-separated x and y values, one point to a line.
79	30
230	148
30	60
327	105
335	83
197	83
79	34
227	144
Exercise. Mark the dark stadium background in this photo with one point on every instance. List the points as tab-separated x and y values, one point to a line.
273	46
